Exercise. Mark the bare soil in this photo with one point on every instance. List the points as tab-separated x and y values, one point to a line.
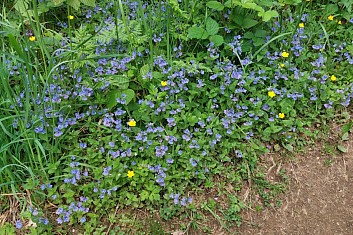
319	197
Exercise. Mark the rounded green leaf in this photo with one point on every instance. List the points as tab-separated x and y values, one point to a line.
197	32
215	5
217	40
212	26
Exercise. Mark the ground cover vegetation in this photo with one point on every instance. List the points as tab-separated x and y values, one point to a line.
143	104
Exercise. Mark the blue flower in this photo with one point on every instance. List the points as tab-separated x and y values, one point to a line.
18	224
83	219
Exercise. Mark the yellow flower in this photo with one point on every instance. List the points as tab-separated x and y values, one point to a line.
281	65
330	17
32	38
132	122
164	83
130	174
301	25
281	115
285	54
71	17
271	94
333	78
339	22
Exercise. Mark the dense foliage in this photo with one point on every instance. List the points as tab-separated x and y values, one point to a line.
144	103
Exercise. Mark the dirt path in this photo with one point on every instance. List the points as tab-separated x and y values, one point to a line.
319	199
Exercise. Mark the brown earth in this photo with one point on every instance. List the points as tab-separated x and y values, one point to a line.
319	197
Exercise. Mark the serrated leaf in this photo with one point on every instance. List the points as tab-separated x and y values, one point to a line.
119	81
215	5
267	15
91	3
342	149
197	32
217	40
144	195
212	26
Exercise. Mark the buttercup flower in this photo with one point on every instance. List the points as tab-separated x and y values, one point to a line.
71	17
130	174
285	54
132	122
164	83
271	94
330	17
301	25
281	65
339	22
281	115
32	38
333	78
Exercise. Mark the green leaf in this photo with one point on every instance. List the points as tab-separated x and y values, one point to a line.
249	35
16	45
217	40
345	136
197	32
144	70
332	8
267	15
91	3
69	194
267	3
347	127
215	5
144	195
21	6
58	2
120	81
291	2
342	149
348	5
229	4
212	26
113	95
286	105
74	4
246	22
288	147
260	33
253	6
276	129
